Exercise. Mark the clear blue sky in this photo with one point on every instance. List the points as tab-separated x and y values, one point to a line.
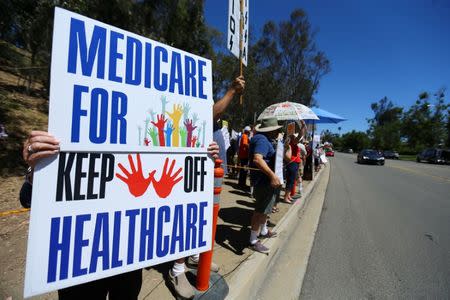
393	48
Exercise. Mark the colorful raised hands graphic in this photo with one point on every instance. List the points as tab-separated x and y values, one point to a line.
152	114
193	141
190	128
194	118
186	109
168	131
160	125
183	135
137	183
163	187
154	136
203	131
176	116
164	102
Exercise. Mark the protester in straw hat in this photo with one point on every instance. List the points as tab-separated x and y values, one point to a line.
266	183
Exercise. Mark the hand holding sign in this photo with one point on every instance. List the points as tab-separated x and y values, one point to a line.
135	180
164	186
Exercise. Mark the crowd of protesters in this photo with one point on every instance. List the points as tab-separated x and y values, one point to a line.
253	148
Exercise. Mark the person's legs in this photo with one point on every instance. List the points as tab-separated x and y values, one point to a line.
291	172
177	279
243	172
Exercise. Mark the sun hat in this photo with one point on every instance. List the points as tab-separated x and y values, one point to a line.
268	125
247	128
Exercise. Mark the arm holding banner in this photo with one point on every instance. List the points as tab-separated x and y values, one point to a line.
237	87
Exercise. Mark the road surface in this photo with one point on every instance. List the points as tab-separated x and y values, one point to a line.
384	233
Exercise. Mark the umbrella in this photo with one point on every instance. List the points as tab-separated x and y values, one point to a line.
325	117
288	111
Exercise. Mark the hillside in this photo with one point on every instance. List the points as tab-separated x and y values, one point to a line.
23	106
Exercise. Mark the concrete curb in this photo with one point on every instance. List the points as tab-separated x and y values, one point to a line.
249	276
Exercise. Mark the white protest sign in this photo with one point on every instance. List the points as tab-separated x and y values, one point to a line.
112	90
245	33
279	160
97	211
234	23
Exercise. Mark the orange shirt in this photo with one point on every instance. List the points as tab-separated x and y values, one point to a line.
244	146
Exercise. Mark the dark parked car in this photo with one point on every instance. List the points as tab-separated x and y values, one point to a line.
371	157
390	154
435	156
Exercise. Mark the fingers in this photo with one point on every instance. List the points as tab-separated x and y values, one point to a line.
122	178
151	175
40	144
177	173
125	171
165	165
177	180
171	167
139	166
130	160
35	157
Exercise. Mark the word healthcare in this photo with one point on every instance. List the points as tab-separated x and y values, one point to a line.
147	228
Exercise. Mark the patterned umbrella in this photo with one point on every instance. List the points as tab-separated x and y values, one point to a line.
288	111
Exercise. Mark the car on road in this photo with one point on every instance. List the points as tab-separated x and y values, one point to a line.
391	154
370	156
329	152
348	150
434	155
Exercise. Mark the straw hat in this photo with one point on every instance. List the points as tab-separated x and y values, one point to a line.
268	125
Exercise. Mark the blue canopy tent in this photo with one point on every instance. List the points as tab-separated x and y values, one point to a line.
325	117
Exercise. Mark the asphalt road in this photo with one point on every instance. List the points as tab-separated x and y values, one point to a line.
384	233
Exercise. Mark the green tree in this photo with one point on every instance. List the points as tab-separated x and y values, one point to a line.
356	140
385	126
424	124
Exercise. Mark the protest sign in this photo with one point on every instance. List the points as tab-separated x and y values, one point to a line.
236	19
279	156
117	91
133	185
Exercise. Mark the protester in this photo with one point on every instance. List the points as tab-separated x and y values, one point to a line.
41	144
243	157
176	277
293	160
266	183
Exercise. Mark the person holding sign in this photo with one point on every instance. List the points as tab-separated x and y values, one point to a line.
176	277
266	182
40	145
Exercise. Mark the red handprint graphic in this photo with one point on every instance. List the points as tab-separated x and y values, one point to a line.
190	128
164	186
137	184
160	123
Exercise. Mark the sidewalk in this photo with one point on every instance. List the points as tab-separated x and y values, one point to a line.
230	251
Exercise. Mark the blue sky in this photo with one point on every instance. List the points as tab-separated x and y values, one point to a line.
376	48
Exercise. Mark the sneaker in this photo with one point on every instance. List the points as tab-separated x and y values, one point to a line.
259	247
194	265
268	235
181	286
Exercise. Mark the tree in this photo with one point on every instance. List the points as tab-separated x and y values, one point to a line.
424	124
288	50
356	140
385	126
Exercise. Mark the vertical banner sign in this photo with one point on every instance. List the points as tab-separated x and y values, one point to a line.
234	17
245	16
234	23
133	185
